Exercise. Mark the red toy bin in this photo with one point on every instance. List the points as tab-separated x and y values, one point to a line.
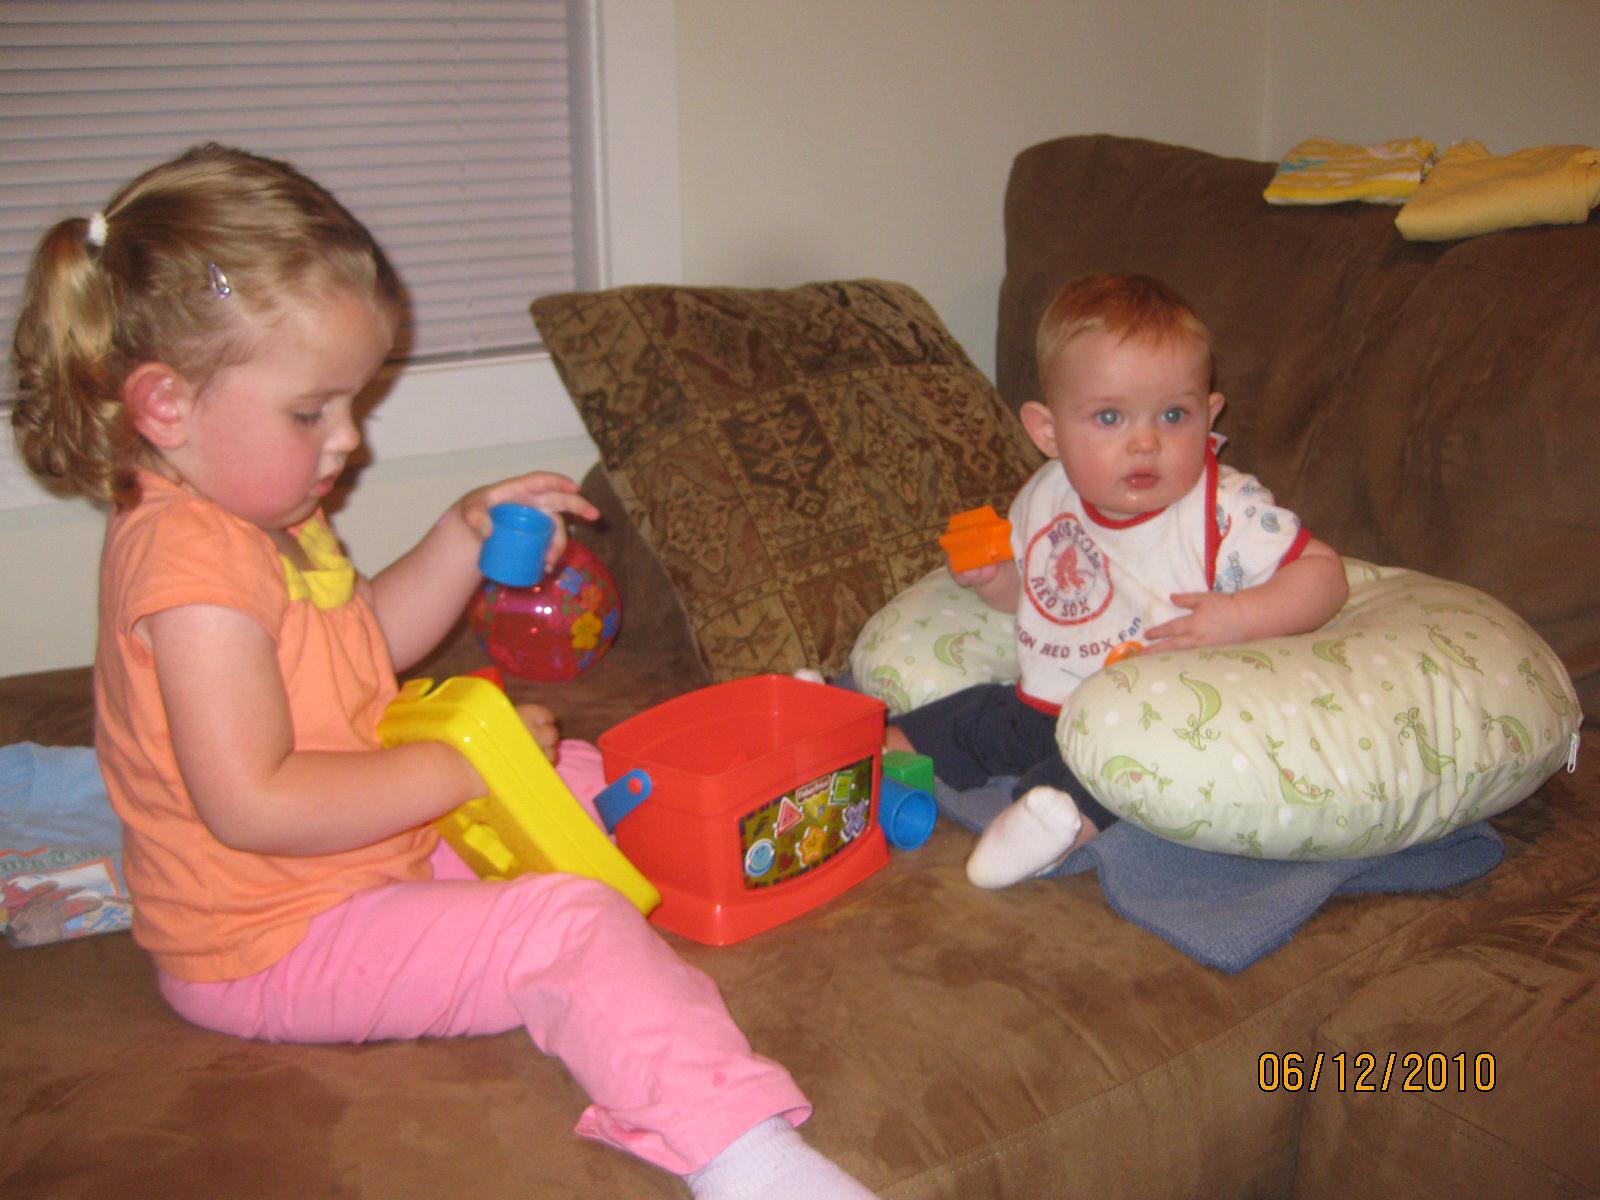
763	802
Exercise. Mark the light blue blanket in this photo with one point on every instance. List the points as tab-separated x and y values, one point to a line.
60	847
1227	911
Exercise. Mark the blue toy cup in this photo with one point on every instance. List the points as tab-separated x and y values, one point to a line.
513	554
906	813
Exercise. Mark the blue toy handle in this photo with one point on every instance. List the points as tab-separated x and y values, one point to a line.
621	796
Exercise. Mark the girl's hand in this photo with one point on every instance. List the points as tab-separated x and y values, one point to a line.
541	723
544	490
419	596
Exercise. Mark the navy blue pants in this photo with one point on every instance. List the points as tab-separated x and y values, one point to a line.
985	731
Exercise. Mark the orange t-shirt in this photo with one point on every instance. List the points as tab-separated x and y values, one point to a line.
204	911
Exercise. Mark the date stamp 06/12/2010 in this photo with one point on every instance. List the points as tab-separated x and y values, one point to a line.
1391	1071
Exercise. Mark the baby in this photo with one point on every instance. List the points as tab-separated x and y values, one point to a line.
1133	532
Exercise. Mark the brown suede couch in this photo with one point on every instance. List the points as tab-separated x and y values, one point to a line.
1431	406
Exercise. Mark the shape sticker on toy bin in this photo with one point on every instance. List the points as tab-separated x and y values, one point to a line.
802	829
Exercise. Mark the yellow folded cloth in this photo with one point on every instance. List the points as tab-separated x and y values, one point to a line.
1323	171
1470	191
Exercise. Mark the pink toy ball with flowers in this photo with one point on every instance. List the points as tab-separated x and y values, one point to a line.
555	628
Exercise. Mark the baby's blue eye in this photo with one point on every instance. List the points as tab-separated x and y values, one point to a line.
1173	415
1107	417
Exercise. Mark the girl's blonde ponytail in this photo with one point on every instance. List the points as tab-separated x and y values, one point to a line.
68	418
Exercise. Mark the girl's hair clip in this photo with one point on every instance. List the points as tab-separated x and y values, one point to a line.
219	281
96	236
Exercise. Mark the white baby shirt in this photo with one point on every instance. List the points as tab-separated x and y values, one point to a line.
1090	582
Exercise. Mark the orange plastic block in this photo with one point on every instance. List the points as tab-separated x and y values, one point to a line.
976	538
1124	650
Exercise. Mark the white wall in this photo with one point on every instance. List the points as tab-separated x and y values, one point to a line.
872	137
1507	75
840	138
843	138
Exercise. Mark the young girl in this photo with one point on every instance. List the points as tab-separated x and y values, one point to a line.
191	357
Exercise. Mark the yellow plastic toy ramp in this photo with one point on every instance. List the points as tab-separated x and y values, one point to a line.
529	821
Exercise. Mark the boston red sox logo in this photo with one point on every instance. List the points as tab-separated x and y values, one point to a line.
1066	577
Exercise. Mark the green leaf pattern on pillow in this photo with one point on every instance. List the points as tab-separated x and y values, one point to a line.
1423	706
930	641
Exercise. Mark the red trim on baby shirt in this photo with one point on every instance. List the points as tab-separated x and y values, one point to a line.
1099	518
1301	539
1038	705
1213	534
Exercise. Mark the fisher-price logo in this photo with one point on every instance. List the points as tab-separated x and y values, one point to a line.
1065	575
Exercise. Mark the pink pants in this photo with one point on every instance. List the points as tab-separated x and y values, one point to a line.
670	1077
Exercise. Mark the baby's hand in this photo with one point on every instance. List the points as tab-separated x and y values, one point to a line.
541	722
1214	619
544	490
977	576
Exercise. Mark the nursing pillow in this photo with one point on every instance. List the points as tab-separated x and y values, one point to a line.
1422	706
930	641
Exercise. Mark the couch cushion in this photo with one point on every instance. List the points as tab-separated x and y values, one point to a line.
1429	406
1491	1089
748	433
53	708
958	1044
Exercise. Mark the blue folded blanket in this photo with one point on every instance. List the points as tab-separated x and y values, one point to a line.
1227	911
60	847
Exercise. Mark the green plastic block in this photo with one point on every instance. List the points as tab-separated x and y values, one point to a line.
913	770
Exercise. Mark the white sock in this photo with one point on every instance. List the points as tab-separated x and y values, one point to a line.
773	1162
1029	837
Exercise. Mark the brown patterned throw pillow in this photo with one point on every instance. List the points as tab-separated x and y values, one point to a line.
791	456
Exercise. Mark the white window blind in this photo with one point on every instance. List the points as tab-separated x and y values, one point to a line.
444	125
